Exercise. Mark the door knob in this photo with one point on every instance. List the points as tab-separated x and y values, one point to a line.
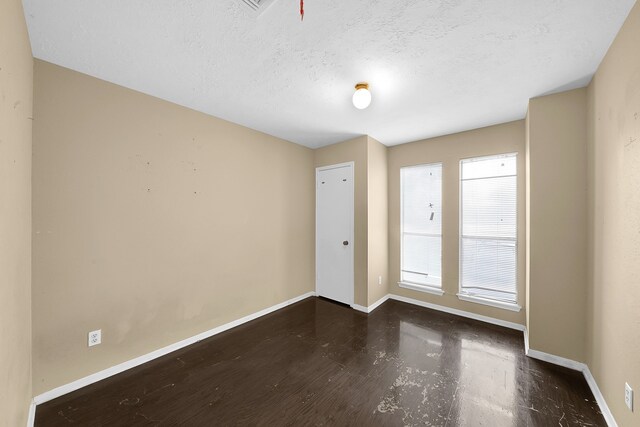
346	242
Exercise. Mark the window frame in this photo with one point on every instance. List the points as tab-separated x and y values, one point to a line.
506	305
431	289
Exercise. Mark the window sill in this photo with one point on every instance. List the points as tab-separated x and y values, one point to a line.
492	303
421	288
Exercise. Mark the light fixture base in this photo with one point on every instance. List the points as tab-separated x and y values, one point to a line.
362	85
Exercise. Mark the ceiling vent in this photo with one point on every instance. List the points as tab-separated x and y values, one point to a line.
258	6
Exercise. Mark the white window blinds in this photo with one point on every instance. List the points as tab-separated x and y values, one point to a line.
421	224
488	222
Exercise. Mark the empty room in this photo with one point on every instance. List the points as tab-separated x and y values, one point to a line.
319	213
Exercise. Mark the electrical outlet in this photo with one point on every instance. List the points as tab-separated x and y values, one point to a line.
379	280
95	337
628	396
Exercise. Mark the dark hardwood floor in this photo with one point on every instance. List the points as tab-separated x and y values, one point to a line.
320	363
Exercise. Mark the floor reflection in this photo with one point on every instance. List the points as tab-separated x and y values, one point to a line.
486	384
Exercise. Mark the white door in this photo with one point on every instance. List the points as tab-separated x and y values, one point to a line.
334	232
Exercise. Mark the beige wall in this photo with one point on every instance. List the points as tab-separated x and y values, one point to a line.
557	217
354	150
154	223
378	253
505	138
16	89
527	266
613	304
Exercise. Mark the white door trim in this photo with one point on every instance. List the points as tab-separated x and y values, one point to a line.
352	242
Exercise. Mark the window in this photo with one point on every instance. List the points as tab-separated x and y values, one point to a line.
421	228
488	230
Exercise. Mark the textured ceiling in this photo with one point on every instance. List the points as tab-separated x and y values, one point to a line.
435	66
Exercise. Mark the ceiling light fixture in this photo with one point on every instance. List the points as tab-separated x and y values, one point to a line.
362	96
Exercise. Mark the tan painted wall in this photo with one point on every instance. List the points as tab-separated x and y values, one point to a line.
557	209
354	150
527	279
613	304
16	95
449	150
154	223
378	253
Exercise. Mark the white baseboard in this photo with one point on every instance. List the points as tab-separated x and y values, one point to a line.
106	373
371	307
462	313
604	408
378	303
32	414
359	307
556	360
576	366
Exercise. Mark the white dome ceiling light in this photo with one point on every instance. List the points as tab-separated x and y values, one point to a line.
362	96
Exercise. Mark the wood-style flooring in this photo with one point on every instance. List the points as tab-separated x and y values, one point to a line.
320	363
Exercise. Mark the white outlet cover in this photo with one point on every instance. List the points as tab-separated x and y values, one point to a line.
628	396
95	337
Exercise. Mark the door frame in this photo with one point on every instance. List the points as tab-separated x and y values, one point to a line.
352	167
